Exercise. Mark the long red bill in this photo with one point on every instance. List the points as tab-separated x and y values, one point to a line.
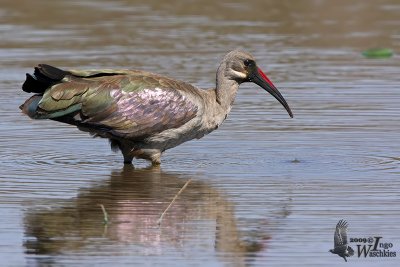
262	80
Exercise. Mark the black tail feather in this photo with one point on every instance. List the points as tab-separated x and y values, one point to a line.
51	72
43	77
31	85
350	251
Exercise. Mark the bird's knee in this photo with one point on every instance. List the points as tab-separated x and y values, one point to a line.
153	155
156	162
155	158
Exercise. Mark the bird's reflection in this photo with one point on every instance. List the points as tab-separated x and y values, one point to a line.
134	200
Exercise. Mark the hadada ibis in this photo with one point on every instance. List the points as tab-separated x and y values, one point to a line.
141	113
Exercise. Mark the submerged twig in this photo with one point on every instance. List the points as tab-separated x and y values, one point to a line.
173	200
105	220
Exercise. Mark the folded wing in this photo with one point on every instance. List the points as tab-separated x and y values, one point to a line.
128	104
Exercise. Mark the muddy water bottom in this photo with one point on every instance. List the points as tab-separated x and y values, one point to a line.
266	190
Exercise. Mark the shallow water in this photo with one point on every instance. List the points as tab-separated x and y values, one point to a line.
266	190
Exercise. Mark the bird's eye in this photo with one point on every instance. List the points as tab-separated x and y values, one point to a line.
248	62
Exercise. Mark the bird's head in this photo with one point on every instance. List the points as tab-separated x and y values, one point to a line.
241	67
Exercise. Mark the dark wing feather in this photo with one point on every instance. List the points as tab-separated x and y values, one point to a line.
43	77
340	237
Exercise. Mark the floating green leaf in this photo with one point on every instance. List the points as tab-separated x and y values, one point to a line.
378	53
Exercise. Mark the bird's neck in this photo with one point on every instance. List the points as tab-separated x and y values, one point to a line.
226	90
220	100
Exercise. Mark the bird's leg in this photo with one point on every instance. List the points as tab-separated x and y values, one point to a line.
154	155
127	158
126	150
344	258
156	159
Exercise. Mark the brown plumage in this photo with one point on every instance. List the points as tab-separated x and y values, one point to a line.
142	113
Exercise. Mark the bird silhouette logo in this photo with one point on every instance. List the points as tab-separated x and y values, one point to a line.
341	248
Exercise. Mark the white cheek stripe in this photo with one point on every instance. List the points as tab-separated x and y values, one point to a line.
239	74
